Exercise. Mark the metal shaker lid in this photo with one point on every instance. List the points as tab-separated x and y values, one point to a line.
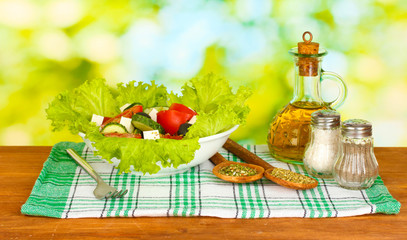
326	119
356	128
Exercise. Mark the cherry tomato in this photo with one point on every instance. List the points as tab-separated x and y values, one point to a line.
170	120
182	108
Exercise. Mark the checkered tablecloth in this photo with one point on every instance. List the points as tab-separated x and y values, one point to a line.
64	190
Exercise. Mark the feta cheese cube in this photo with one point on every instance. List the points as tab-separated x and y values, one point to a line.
124	106
126	122
97	119
153	114
153	134
192	120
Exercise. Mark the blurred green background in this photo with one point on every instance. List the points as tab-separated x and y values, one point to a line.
48	46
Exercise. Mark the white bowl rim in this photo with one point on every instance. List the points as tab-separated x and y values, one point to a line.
184	167
219	135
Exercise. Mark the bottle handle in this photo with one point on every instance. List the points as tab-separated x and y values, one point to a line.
343	90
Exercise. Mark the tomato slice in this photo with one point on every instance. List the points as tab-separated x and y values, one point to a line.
169	136
106	119
182	108
127	113
123	135
131	111
170	120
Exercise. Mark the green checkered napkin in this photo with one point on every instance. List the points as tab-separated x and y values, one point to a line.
64	190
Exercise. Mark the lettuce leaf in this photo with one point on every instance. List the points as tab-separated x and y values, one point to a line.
74	109
217	106
208	124
149	95
142	154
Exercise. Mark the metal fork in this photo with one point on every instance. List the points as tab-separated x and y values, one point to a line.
102	190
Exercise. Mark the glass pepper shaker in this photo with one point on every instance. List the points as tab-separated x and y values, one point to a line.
357	167
324	147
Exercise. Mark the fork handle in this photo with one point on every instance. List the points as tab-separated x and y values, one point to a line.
85	165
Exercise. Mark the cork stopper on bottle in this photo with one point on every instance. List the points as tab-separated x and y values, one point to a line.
308	66
308	46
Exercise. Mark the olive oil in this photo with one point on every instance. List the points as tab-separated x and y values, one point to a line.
289	131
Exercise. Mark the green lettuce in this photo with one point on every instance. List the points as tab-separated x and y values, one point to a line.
142	154
149	95
217	106
74	109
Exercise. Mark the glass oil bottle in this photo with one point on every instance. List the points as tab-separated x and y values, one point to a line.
289	130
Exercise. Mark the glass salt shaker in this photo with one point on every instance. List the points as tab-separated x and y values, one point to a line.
357	167
324	147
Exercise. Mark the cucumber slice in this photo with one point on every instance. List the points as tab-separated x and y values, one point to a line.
146	124
114	127
144	114
132	105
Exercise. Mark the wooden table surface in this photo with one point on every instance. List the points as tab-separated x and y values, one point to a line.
20	167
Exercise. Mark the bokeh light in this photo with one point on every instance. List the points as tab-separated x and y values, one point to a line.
52	45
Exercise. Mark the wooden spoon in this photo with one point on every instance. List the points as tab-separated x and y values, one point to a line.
221	162
252	158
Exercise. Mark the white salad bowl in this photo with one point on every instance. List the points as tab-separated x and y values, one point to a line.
209	146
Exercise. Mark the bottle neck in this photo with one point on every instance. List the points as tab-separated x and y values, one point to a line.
307	87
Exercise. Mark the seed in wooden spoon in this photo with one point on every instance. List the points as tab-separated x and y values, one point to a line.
290	176
237	170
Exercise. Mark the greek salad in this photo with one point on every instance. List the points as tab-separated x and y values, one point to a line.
119	121
151	123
